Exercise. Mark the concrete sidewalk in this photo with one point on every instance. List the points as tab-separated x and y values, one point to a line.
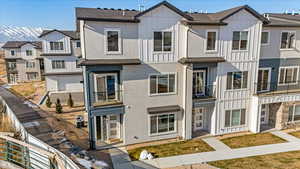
216	144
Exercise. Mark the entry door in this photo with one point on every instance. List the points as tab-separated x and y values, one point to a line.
199	82
264	118
113	127
106	86
198	119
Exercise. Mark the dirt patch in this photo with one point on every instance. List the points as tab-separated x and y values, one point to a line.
31	90
3	78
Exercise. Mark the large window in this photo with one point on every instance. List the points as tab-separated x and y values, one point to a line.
288	40
162	41
162	84
12	65
56	46
235	117
162	123
30	64
264	78
265	38
113	42
58	64
240	40
32	76
237	80
28	52
288	75
294	113
211	41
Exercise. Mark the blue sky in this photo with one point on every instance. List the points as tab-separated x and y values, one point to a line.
59	14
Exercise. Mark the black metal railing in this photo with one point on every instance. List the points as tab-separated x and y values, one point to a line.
277	88
207	91
107	97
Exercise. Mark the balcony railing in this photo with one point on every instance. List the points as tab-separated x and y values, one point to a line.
206	92
274	88
107	98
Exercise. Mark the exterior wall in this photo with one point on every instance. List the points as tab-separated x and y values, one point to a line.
64	83
70	64
56	36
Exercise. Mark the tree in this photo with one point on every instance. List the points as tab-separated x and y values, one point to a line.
58	106
70	101
48	102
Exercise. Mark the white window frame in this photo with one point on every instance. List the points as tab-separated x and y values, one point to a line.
58	61
30	64
63	46
30	51
293	118
76	44
119	52
240	50
269	38
162	133
237	126
287	67
294	45
14	51
159	74
242	81
118	96
216	43
269	78
172	41
31	73
9	65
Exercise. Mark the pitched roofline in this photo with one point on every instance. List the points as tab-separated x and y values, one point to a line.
170	6
25	42
55	30
109	20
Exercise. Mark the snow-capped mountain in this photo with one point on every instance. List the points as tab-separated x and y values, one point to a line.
13	33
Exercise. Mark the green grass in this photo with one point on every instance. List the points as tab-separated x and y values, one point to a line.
288	160
172	149
252	140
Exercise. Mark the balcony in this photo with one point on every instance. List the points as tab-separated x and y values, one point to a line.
206	92
107	98
273	88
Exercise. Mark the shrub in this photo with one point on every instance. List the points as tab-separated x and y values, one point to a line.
58	106
48	102
70	101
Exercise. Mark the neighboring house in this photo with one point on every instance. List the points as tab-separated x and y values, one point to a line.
163	73
61	51
23	61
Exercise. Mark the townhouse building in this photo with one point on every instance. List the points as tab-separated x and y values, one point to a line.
163	73
61	50
23	61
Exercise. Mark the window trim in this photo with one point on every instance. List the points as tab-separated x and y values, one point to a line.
269	78
287	67
172	41
216	43
58	68
32	73
162	94
32	63
240	50
119	52
242	81
162	133
287	49
30	51
76	44
237	126
62	42
14	51
269	38
115	74
293	117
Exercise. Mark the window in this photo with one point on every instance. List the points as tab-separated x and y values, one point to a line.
77	66
32	76
30	64
12	53
237	80
113	42
56	46
78	45
28	52
263	79
162	123
265	38
294	113
288	75
162	41
235	117
211	41
12	65
162	84
240	40
288	40
58	64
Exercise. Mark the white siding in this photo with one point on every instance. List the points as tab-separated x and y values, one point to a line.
70	64
56	36
64	83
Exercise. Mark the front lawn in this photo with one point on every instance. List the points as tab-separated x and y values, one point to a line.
172	149
288	160
252	140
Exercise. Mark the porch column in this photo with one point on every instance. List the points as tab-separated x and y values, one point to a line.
254	115
187	101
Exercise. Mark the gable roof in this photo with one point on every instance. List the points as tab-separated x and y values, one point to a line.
283	20
19	44
72	34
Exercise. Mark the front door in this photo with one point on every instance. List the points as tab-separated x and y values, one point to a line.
199	82
113	126
198	119
264	118
107	127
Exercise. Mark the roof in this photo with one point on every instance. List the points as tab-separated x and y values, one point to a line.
163	109
119	15
201	60
72	34
283	20
93	62
19	44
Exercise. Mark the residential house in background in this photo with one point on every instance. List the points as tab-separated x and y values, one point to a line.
163	73
61	51
23	61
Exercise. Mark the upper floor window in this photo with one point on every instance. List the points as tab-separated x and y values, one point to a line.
30	64
12	53
240	40
32	76
56	46
162	41
28	52
288	75
288	40
58	64
211	43
78	45
11	65
235	117
113	41
237	80
162	84
265	37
